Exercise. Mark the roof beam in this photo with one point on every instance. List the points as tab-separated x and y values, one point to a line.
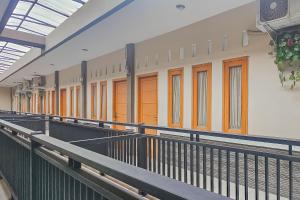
22	38
79	1
8	12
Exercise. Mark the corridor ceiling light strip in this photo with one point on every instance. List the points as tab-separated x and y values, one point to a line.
39	17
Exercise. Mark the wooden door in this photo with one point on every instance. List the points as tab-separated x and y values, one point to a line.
44	103
147	104
23	103
120	102
94	101
39	103
103	101
53	104
71	101
63	102
34	103
78	103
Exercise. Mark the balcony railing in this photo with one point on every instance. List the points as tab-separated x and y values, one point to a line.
237	166
37	167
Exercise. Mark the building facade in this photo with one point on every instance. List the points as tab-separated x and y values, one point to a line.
199	77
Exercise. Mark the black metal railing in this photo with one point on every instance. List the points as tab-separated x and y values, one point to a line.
238	166
38	167
234	166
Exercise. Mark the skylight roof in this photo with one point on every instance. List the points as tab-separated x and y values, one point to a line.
39	17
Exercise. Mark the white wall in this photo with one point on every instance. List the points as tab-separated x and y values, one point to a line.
272	110
5	98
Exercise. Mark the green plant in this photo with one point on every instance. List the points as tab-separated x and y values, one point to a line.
287	49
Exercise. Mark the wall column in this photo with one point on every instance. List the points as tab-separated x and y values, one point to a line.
84	89
130	57
56	82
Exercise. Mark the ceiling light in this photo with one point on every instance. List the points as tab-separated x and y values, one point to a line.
84	49
180	7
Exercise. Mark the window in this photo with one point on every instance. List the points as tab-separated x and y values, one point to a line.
175	99
71	101
202	97
78	101
103	99
235	95
94	100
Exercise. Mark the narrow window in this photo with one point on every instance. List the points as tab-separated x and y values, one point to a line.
94	100
71	101
235	95
202	97
103	99
175	98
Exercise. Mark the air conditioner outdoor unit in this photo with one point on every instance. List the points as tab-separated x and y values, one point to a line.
39	82
274	15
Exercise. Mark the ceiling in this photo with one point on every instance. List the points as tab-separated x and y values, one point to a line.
138	21
34	17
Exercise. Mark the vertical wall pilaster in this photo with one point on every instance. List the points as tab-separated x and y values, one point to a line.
130	57
56	82
84	88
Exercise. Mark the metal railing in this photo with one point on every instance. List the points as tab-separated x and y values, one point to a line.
266	170
238	166
38	167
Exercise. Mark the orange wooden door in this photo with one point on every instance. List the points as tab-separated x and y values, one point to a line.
63	102
48	102
71	101
23	103
33	103
148	101
39	104
77	96
53	97
94	101
103	101
44	103
120	102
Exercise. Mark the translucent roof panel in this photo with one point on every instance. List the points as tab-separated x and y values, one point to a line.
39	17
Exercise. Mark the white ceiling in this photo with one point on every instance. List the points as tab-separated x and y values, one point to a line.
138	21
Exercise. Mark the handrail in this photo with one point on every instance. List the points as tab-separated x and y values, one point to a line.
236	149
18	129
151	183
256	138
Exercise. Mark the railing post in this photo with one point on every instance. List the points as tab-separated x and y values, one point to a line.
14	133
74	164
142	152
291	188
101	124
33	145
142	148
